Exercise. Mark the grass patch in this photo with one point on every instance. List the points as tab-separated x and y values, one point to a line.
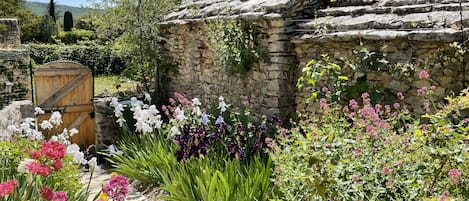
113	84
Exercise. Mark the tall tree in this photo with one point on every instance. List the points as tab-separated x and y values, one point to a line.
51	10
132	26
68	21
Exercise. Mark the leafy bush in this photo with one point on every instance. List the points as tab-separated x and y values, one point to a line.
102	59
75	35
377	152
235	44
213	153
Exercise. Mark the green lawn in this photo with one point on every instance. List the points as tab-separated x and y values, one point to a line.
109	83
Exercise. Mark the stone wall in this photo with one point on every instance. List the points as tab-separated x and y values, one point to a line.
438	58
13	114
107	129
14	63
268	85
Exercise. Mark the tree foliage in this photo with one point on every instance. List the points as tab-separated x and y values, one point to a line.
68	21
51	10
132	26
27	20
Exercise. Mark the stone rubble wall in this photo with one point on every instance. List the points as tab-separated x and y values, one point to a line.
446	71
269	85
14	63
107	129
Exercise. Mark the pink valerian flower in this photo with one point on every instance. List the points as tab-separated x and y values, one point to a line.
366	98
357	152
353	104
389	182
8	187
387	171
422	91
53	150
371	131
400	96
433	87
351	115
466	120
117	188
444	195
354	178
251	44
345	109
47	193
38	168
454	174
374	149
60	196
378	107
396	105
424	75
387	108
398	164
323	104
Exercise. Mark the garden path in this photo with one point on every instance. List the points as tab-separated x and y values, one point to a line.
101	176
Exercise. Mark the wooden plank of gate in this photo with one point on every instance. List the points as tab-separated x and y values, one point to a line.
63	91
77	121
60	71
71	108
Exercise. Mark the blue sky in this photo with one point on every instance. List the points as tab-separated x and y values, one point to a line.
75	3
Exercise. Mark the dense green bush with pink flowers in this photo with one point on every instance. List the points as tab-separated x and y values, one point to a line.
360	151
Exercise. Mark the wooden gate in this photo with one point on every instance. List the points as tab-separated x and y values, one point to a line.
67	87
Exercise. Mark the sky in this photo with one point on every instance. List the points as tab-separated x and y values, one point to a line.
75	3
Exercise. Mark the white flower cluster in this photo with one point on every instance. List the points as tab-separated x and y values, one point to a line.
147	116
221	104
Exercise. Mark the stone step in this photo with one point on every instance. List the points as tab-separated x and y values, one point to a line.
399	10
432	20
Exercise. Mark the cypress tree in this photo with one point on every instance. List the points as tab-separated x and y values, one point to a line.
52	10
68	21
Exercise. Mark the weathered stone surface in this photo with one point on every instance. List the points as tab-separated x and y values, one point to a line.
9	34
13	115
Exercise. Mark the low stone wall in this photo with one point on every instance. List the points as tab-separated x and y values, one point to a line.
13	64
406	59
268	85
107	129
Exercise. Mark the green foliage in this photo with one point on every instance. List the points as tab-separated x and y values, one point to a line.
319	74
132	27
235	44
75	35
51	10
207	179
48	28
105	61
3	31
29	22
68	21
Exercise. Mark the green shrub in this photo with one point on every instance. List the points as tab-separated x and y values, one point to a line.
102	59
68	21
376	152
75	35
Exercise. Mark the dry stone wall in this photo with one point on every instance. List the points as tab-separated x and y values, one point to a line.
268	85
13	64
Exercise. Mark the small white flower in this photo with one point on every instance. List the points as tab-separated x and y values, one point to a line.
72	149
220	99
121	122
79	157
46	125
36	135
92	163
54	138
119	108
56	118
73	132
179	114
196	101
174	131
38	111
114	102
13	129
147	97
222	106
22	165
114	151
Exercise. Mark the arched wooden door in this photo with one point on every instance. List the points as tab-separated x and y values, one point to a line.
67	87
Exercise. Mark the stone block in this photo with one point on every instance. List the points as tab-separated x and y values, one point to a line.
9	34
398	86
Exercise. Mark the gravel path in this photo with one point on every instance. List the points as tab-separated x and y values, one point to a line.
101	176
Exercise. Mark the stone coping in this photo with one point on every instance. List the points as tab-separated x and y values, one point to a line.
443	35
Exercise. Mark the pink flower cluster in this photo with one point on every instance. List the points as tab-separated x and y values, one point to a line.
424	75
50	151
48	194
117	188
454	174
7	188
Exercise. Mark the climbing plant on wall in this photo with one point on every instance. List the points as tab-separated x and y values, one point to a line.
235	44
